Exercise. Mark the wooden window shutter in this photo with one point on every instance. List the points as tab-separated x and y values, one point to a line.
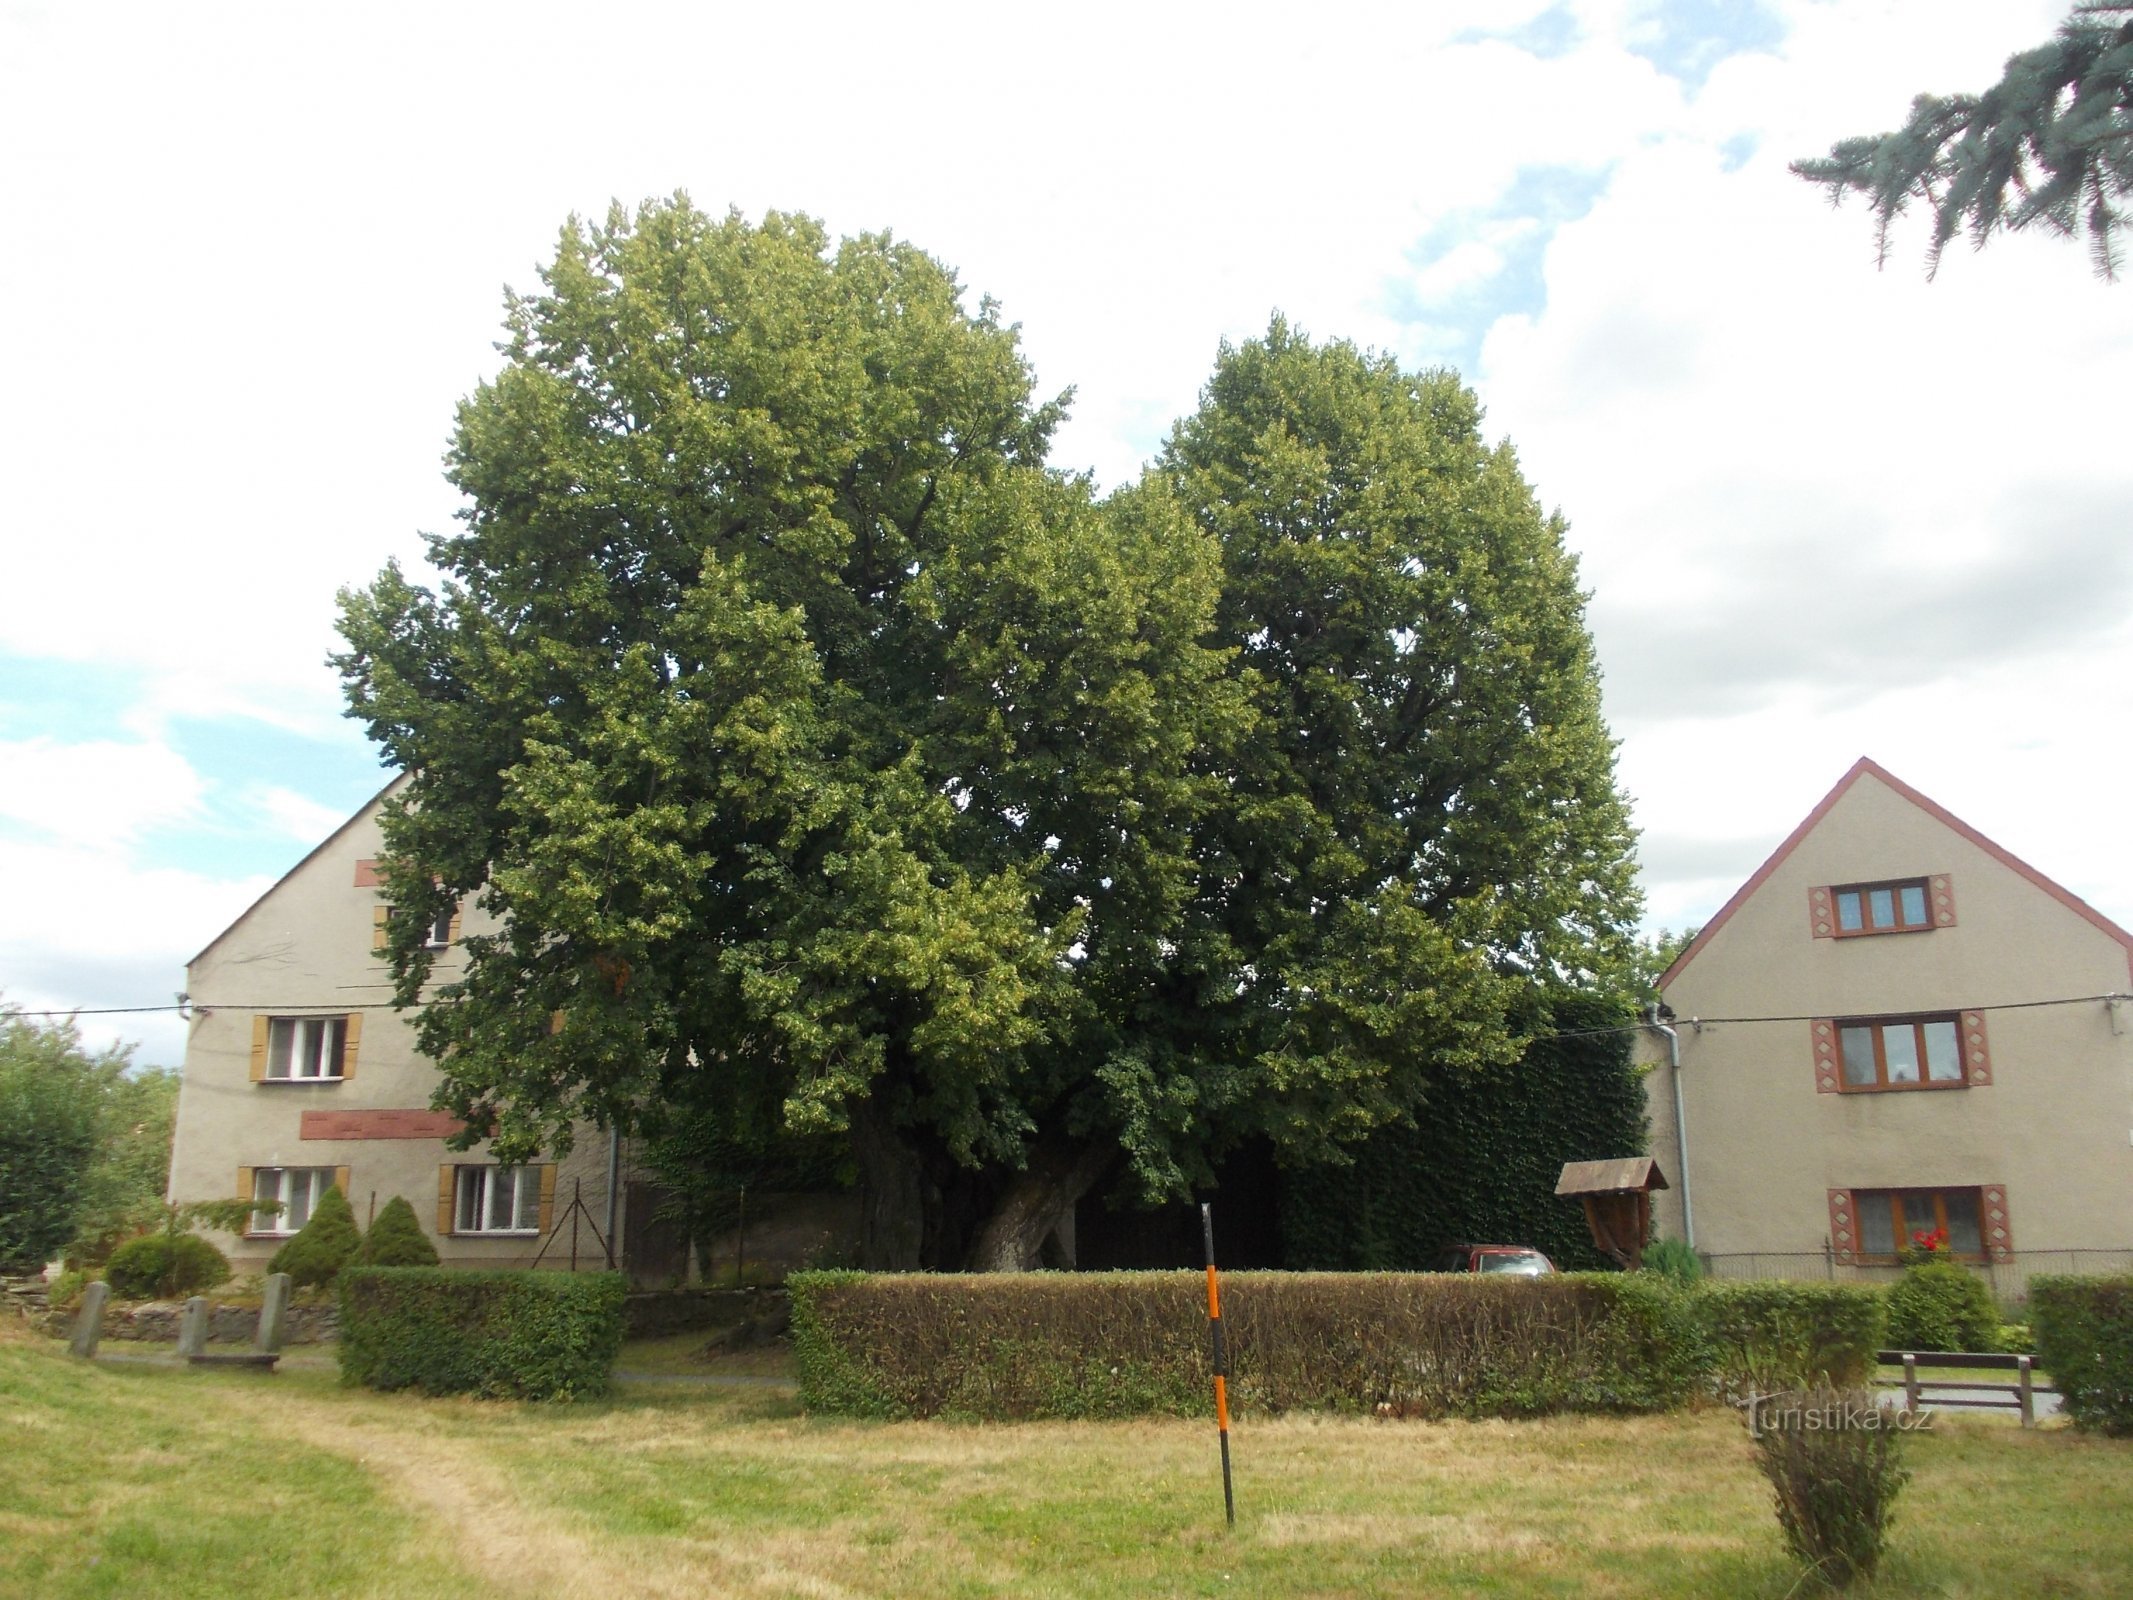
1977	1054
259	1048
547	1195
451	935
1843	1227
1822	912
555	1021
1940	900
340	1181
246	1190
380	917
445	1177
351	1042
1995	1224
1829	1069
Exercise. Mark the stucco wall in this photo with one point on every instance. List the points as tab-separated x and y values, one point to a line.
306	945
2053	1124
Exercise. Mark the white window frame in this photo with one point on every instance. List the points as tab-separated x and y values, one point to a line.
479	1193
279	1183
306	1049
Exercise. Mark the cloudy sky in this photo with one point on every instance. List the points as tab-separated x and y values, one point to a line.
254	254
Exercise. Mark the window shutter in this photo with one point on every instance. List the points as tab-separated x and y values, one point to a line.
1977	1054
380	916
1822	912
1999	1231
445	1218
555	1021
340	1181
451	934
245	1191
1828	1070
259	1049
351	1042
1843	1229
1940	900
547	1195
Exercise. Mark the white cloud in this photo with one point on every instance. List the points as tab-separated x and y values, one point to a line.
297	816
101	794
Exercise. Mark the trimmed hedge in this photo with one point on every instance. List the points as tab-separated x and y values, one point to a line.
496	1335
165	1265
1941	1306
1766	1334
2084	1330
1000	1347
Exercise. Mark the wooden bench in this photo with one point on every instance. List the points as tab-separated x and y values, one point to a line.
2020	1395
252	1360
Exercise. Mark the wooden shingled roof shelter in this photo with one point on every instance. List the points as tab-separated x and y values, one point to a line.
1617	1196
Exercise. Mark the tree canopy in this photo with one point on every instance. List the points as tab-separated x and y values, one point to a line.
834	765
2050	145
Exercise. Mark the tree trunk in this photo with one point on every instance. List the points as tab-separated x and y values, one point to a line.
891	1191
1060	1172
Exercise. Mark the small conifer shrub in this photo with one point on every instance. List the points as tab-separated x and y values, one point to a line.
324	1245
396	1239
1940	1306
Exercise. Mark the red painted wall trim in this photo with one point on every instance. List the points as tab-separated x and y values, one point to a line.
378	1125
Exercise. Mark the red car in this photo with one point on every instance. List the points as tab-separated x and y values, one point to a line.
1515	1260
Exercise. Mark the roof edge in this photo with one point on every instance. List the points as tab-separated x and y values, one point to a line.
357	816
1864	767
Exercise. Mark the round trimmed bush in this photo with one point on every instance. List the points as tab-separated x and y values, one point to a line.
396	1239
158	1265
1942	1307
322	1246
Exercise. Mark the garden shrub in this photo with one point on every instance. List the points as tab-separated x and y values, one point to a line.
1768	1334
1834	1458
1674	1260
396	1239
163	1265
1001	1346
323	1246
496	1335
1940	1306
2084	1334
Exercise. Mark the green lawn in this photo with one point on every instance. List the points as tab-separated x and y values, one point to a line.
128	1480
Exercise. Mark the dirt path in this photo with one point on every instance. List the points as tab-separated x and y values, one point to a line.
483	1523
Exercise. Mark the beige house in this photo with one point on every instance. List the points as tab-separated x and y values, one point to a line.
299	1075
1896	1027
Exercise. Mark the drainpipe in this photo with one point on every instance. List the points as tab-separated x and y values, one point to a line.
1681	1120
614	1186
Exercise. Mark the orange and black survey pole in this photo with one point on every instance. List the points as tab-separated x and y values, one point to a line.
1214	1324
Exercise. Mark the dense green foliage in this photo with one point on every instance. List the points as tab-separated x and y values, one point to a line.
495	1335
1480	1161
69	1145
825	754
395	1239
164	1266
2084	1333
1767	1334
325	1244
1836	1482
1941	1306
2050	145
1124	1344
1673	1260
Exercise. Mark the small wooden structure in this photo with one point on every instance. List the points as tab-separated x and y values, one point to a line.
1618	1203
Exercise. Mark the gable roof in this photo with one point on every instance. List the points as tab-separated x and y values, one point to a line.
1867	767
361	812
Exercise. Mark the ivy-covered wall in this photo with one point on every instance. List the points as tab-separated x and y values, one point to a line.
1481	1161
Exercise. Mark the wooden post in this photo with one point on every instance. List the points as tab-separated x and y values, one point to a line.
89	1321
1221	1359
1910	1381
2026	1394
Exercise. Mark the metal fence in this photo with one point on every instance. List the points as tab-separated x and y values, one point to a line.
2009	1279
